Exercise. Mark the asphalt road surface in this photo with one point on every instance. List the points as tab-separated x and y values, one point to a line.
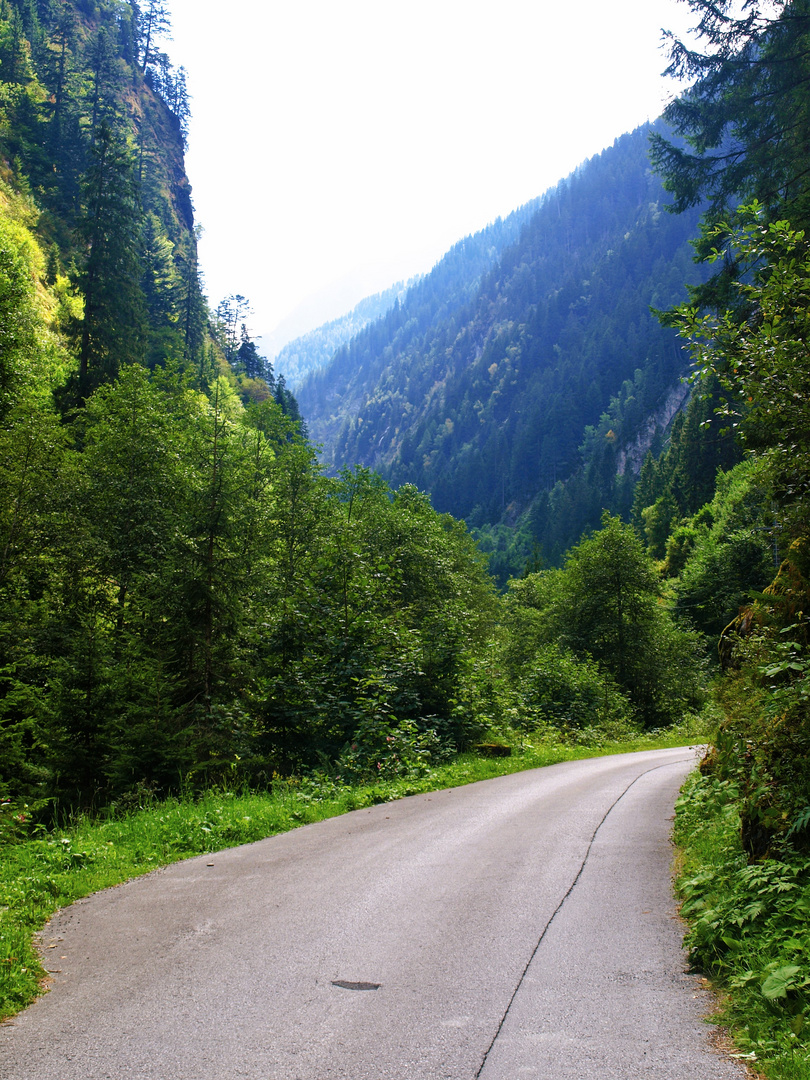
518	927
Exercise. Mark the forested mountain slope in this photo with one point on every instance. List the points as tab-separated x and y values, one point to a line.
92	130
430	303
312	351
485	404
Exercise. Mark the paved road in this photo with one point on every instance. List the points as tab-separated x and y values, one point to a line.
519	927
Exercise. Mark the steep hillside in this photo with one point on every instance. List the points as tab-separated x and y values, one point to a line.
92	129
334	396
313	351
485	403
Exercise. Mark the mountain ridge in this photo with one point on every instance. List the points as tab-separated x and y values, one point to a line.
483	395
313	350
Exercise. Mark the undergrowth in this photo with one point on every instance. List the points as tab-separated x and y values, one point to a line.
749	928
47	870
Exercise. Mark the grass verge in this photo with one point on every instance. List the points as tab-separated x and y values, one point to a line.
51	869
749	929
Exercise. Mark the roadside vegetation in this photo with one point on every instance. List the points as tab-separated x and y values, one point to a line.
739	567
749	927
205	640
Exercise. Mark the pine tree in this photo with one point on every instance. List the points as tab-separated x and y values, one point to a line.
193	318
745	120
111	330
154	22
249	361
231	313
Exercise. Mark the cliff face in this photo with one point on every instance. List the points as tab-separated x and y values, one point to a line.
68	70
165	179
629	459
92	137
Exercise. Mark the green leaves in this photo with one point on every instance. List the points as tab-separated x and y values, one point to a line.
745	116
18	320
749	925
590	645
760	360
189	596
779	982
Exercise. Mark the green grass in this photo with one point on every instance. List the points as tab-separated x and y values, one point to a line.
49	870
749	929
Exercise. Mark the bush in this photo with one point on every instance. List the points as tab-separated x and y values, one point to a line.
570	692
604	608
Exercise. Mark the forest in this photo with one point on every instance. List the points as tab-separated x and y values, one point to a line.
526	525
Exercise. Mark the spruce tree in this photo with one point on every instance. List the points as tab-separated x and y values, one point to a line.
111	330
745	121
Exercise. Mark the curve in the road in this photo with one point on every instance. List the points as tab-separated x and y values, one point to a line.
518	927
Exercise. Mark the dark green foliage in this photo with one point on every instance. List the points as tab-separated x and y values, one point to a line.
760	363
567	691
186	596
746	126
611	612
602	608
732	551
113	321
745	119
104	156
378	603
231	314
682	479
160	284
154	22
249	361
763	744
185	593
743	559
749	925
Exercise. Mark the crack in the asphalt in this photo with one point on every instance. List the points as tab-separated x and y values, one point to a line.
559	906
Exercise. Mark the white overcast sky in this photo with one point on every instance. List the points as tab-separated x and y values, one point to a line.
337	146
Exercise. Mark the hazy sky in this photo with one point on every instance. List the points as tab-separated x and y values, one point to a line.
354	141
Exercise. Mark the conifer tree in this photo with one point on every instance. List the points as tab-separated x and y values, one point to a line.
193	317
154	22
745	121
111	330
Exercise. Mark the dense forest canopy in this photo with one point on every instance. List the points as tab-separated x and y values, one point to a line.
740	563
186	596
738	567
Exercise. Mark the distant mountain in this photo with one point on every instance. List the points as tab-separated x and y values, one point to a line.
487	392
309	353
428	302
